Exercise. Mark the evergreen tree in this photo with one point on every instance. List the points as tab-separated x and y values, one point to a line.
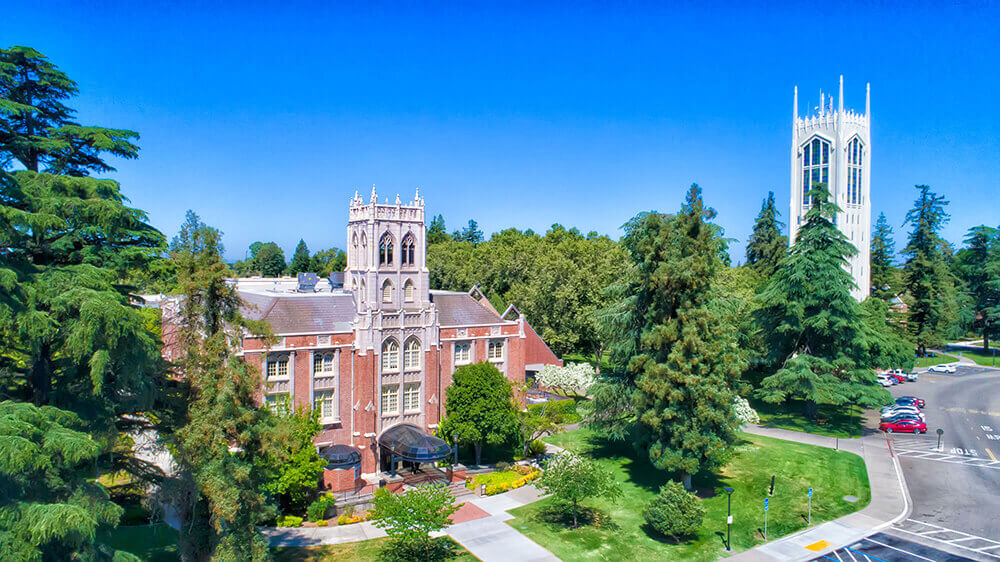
270	260
883	254
225	434
471	233
480	408
687	361
767	245
927	277
436	232
300	259
811	323
978	265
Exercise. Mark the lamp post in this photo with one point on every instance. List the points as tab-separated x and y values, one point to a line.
455	440
729	518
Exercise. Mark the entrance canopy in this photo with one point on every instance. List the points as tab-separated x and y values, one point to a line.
340	456
410	443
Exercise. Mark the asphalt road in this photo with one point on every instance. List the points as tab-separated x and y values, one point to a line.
955	489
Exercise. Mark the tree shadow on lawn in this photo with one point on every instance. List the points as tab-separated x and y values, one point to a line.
559	516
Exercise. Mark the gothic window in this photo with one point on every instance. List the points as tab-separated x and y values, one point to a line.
363	261
390	399
278	403
324	364
408	291
411	397
411	354
364	290
354	251
385	250
390	355
463	353
324	402
408	250
815	166
855	159
496	350
277	368
387	291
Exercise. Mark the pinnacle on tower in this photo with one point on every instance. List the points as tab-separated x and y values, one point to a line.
374	198
840	98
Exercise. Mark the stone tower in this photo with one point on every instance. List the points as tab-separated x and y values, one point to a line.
833	145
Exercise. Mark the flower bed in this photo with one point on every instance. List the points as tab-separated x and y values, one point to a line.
499	482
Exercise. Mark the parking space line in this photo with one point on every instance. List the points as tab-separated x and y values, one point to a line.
900	550
867	556
990	453
953	542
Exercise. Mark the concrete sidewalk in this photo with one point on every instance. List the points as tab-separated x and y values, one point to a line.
890	501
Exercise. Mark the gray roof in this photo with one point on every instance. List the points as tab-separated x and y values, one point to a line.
320	312
460	309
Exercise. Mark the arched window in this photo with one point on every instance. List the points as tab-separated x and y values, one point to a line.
815	166
411	354
385	249
855	160
364	290
408	290
390	355
408	250
387	291
364	250
354	251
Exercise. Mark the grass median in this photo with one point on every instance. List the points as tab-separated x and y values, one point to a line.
620	533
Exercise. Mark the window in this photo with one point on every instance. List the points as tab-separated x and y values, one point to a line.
324	363
277	368
815	166
364	290
387	291
278	403
463	353
385	250
408	250
364	250
496	351
324	402
411	354
390	355
411	398
390	399
408	291
855	157
354	251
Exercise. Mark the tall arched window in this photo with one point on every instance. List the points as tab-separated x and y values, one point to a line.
411	354
385	249
364	250
815	166
390	355
364	290
354	251
855	160
408	290
408	250
387	291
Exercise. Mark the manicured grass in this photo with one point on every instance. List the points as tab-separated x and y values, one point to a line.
361	550
151	543
936	360
834	421
980	357
621	535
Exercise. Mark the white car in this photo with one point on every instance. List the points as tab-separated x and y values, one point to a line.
893	412
912	377
884	380
950	369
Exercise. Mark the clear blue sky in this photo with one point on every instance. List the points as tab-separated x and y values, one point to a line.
265	118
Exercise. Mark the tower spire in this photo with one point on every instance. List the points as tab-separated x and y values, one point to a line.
795	106
868	100
840	97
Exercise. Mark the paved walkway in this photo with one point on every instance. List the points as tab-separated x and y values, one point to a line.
890	500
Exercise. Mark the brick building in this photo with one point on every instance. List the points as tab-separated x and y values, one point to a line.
374	348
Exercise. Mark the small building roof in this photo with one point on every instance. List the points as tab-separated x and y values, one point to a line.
296	314
461	309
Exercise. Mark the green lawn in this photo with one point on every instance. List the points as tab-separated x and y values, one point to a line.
834	421
936	360
359	551
151	543
981	357
621	534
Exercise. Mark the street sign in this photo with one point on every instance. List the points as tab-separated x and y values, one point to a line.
810	492
765	504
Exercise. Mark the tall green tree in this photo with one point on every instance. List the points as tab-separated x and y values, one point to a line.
225	435
300	259
479	406
978	264
436	231
927	276
688	361
328	261
270	260
884	277
811	323
472	233
767	245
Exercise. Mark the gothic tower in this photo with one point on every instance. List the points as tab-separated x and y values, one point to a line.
833	146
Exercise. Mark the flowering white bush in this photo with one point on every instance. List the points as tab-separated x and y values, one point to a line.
744	412
574	378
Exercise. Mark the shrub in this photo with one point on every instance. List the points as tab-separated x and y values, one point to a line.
537	448
289	521
674	512
317	509
321	523
502	466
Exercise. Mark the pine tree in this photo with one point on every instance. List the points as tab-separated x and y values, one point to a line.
300	259
927	277
979	266
811	323
767	246
471	233
687	362
436	231
883	254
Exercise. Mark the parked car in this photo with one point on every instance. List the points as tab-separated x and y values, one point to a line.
902	417
892	412
950	369
912	376
903	426
911	400
899	374
883	380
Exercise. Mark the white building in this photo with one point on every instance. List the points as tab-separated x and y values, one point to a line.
833	146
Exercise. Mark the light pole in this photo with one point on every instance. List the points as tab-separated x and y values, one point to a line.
940	432
729	518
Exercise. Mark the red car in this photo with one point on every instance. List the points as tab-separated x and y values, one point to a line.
903	426
899	377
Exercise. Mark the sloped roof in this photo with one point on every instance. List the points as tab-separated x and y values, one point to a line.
460	309
321	312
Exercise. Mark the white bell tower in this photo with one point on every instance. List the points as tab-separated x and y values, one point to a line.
832	145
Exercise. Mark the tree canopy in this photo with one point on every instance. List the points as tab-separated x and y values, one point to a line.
884	276
300	259
767	245
479	407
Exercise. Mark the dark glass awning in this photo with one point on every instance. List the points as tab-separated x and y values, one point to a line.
340	456
410	443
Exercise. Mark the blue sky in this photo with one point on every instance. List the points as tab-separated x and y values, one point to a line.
265	118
